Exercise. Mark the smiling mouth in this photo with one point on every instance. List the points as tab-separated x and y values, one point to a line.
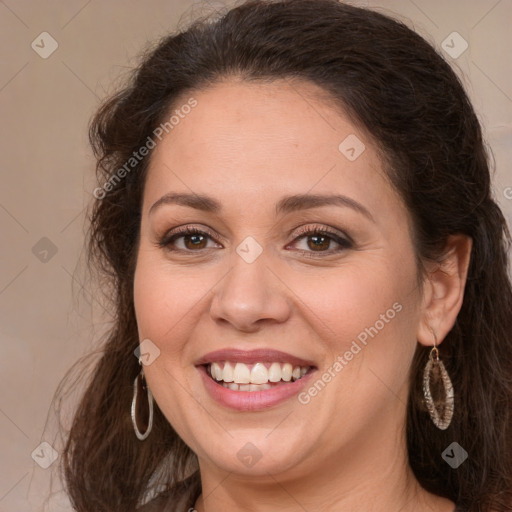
259	376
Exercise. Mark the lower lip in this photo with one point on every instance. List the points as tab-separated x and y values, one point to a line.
252	400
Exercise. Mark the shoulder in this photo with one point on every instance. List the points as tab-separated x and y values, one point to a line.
180	498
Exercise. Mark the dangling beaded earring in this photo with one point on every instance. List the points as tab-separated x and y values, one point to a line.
139	386
434	374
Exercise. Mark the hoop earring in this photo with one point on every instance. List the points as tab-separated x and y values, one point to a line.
442	415
139	382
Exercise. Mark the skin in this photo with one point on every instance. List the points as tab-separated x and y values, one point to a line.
247	146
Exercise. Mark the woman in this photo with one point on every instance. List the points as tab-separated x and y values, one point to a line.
310	277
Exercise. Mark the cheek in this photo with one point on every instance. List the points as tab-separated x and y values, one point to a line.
371	312
162	299
384	317
161	305
158	310
150	298
355	298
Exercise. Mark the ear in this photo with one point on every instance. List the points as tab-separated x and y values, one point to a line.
443	290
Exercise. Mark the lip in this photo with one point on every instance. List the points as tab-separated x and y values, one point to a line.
252	356
253	400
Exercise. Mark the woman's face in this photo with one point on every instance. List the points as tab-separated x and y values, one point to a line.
342	304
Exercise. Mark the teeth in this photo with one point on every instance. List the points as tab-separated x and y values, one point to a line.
259	374
227	373
274	372
241	374
286	372
243	387
235	374
259	387
216	371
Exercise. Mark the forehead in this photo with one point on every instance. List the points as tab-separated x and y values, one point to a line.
244	141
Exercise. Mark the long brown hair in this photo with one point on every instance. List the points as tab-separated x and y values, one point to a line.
391	82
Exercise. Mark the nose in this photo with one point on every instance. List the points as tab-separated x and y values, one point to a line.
249	296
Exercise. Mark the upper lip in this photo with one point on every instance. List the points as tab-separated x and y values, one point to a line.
252	356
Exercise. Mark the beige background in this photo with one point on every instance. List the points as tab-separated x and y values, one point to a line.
48	316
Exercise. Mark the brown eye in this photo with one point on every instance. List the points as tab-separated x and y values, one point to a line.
193	240
320	240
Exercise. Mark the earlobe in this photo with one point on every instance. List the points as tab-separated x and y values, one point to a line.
444	289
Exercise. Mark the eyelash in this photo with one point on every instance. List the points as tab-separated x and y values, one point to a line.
344	243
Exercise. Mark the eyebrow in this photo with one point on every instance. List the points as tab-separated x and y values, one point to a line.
286	204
